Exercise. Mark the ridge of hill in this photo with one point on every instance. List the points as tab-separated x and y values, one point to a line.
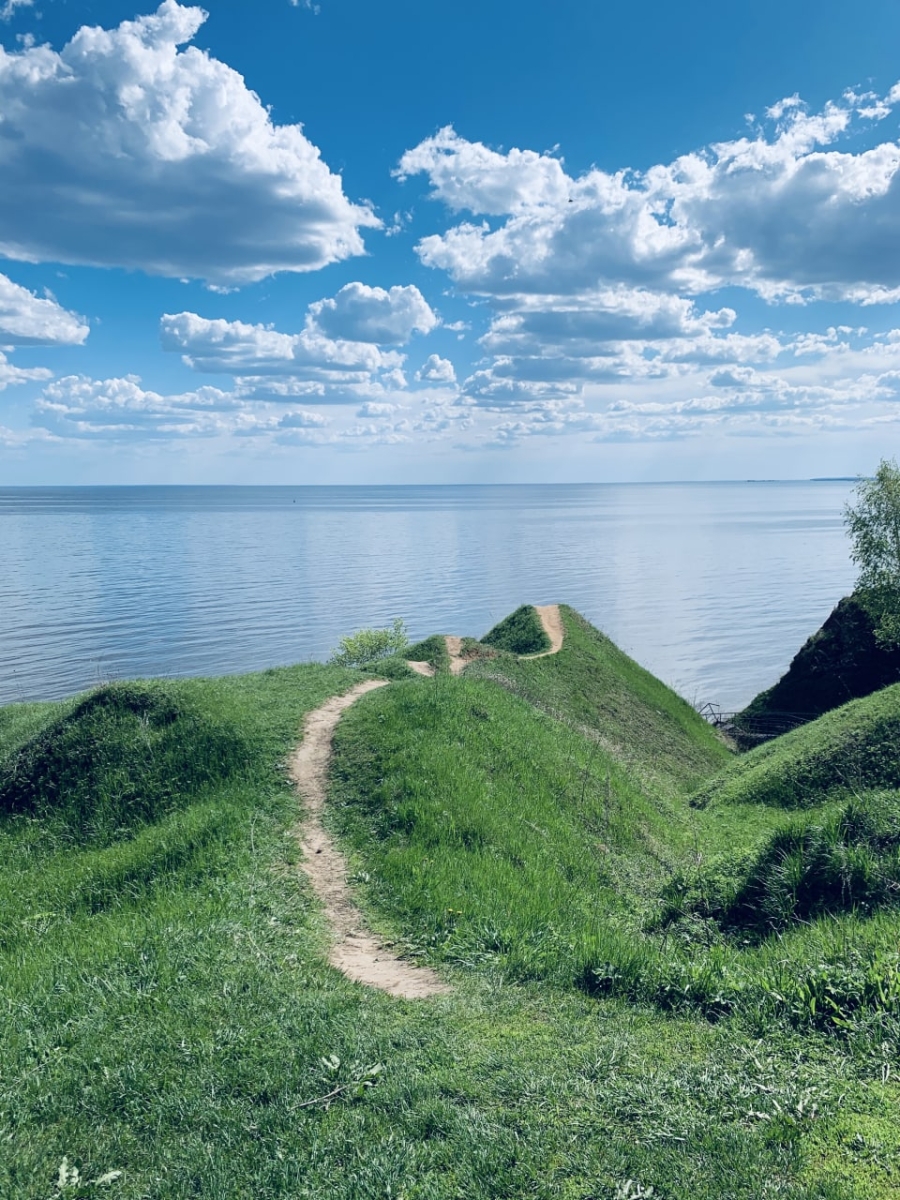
593	684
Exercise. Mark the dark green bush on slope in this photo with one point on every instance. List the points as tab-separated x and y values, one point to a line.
125	755
842	661
519	633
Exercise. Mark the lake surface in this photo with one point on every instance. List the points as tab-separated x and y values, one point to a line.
712	587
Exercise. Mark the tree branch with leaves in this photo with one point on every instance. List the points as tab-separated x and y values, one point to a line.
873	524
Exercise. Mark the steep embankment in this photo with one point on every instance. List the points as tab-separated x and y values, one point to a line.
593	684
840	662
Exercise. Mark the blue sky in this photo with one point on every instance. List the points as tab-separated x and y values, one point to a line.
348	242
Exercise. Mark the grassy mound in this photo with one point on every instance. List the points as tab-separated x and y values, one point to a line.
490	829
519	633
127	754
594	685
849	863
851	749
432	650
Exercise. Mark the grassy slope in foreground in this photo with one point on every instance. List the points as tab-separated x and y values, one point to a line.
498	837
167	1013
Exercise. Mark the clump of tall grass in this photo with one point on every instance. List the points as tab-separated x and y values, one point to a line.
432	650
847	863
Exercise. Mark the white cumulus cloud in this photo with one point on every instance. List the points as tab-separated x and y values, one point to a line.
372	314
121	409
468	175
782	212
30	320
343	354
242	350
10	375
123	149
436	370
8	9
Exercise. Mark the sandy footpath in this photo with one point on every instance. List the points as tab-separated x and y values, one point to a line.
551	620
420	667
356	952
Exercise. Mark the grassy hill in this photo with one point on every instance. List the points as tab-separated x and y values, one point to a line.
597	688
170	1023
842	661
848	750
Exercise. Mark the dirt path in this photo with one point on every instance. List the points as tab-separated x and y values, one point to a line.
454	649
553	627
359	954
420	667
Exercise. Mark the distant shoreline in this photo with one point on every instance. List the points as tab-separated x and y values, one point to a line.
248	487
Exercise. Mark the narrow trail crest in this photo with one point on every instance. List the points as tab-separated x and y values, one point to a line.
551	619
359	954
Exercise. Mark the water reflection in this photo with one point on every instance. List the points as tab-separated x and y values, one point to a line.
713	587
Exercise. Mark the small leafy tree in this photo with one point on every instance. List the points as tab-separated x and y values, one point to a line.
368	646
873	524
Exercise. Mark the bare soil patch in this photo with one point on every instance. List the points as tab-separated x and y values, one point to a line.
358	953
454	648
553	627
420	668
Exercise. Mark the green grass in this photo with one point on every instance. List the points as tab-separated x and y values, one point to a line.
167	1010
519	633
489	829
594	685
432	650
848	750
850	862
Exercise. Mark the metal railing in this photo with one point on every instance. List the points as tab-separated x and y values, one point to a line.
750	727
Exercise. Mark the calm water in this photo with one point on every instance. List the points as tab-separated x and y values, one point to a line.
713	587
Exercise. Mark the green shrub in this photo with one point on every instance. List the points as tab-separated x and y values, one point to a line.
519	633
367	646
